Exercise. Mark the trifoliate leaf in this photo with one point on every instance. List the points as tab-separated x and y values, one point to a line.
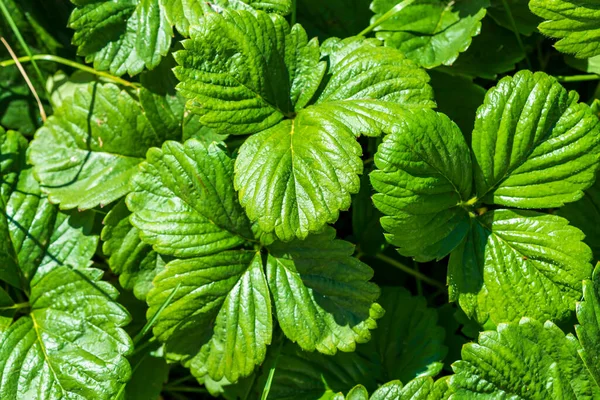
70	345
220	315
121	37
183	201
516	263
323	300
86	153
186	14
461	112
494	51
408	342
525	21
303	375
523	360
423	176
588	330
430	32
133	260
534	146
585	215
575	22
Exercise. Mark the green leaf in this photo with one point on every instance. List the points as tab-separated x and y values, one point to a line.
183	201
358	393
333	18
323	300
133	260
461	112
430	32
149	373
121	37
423	388
186	14
86	153
423	176
8	308
534	146
302	375
575	22
494	51
588	330
408	342
36	236
525	20
296	177
591	65
525	359
366	229
220	318
515	263
585	215
70	345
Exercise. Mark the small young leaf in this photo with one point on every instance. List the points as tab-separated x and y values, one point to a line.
515	263
534	146
323	300
575	22
430	32
423	175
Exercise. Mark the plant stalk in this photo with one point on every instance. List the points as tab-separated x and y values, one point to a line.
389	14
411	271
578	78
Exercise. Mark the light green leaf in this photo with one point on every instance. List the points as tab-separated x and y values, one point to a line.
575	22
516	263
358	393
86	153
133	260
121	37
523	360
494	51
585	215
534	146
220	316
186	14
12	160
323	300
423	388
183	201
70	345
423	178
430	32
588	330
525	20
408	342
296	177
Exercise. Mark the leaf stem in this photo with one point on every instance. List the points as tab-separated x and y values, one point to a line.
294	12
419	285
16	306
410	271
389	14
578	78
72	64
516	31
23	44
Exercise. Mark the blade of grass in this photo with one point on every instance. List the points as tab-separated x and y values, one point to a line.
149	324
69	63
267	388
27	80
411	271
23	44
391	13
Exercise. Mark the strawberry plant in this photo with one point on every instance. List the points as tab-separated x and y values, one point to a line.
298	199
